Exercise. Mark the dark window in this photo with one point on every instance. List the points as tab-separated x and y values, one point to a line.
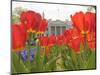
53	30
58	30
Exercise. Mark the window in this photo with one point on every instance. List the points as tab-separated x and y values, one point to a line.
58	30
53	30
63	28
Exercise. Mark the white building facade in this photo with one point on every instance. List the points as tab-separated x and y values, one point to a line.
57	27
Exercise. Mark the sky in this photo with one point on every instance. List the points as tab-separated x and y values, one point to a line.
51	11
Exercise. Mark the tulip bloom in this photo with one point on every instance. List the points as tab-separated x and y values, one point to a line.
71	34
73	39
23	33
18	37
67	35
74	33
90	20
52	40
61	40
84	23
92	45
43	25
44	41
75	44
38	20
31	19
91	39
27	18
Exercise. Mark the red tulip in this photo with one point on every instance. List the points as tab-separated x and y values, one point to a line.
43	25
92	44
91	39
91	36
74	33
90	21
52	40
78	21
44	41
61	40
75	44
38	20
18	37
31	19
73	39
23	32
27	18
67	35
84	23
71	34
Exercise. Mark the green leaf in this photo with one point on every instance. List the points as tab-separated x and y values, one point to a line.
74	59
91	62
13	68
51	64
39	60
18	64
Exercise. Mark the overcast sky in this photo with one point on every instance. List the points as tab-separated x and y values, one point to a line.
52	11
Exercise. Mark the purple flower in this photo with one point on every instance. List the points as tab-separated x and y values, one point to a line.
32	53
24	55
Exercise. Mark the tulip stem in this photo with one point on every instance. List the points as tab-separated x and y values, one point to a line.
85	49
29	47
84	41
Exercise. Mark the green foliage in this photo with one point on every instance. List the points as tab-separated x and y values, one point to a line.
15	19
60	58
17	65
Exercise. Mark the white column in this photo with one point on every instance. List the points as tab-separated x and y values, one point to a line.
55	30
60	29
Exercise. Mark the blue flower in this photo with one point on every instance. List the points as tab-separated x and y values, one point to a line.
31	57
24	55
32	53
